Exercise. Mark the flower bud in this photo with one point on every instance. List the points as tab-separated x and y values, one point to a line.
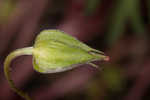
56	51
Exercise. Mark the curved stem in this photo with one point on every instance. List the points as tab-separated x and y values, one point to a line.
8	60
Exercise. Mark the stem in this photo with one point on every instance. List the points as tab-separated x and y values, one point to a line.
8	60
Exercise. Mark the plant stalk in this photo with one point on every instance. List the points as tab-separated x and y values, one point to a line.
8	60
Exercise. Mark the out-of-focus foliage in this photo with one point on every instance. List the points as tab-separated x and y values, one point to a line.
6	8
91	6
123	12
113	78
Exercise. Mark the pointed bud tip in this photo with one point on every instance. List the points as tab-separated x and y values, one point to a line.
107	58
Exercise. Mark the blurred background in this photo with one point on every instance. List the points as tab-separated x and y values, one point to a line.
120	28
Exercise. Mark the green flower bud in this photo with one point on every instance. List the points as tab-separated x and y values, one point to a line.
54	51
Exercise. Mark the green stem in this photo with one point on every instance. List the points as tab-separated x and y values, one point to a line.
8	60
